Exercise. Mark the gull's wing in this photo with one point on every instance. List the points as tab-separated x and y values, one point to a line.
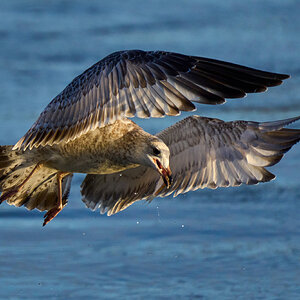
204	152
143	84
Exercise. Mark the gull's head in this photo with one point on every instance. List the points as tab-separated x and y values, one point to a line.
154	153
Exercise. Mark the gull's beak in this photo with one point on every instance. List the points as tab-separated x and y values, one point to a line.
164	172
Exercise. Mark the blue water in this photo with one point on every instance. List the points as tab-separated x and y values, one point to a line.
236	243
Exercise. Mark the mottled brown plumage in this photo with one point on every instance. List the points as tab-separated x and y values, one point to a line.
143	84
204	153
104	150
85	130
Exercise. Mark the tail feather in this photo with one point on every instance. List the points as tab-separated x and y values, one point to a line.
40	191
8	161
44	195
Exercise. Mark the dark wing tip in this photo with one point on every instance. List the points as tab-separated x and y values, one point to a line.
283	76
260	89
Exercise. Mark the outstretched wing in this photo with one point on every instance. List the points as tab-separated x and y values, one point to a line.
204	152
143	84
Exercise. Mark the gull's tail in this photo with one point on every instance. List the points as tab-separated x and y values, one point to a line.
23	182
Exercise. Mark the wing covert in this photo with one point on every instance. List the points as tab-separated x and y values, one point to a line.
143	84
204	152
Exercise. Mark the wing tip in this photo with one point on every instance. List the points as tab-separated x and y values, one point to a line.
275	125
283	76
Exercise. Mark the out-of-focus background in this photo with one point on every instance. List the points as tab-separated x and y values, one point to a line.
235	243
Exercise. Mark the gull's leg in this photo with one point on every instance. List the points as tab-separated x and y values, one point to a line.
16	189
52	213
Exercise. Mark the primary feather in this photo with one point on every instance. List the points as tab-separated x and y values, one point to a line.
143	84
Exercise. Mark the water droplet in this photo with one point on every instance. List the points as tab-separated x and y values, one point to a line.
182	225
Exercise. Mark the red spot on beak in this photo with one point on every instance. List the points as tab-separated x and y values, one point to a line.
165	173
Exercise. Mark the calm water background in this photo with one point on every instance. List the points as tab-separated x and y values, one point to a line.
237	243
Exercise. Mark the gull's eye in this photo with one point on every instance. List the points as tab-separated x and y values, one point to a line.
156	151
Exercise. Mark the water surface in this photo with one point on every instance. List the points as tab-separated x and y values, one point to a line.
236	243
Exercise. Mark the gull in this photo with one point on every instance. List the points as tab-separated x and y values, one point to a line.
87	129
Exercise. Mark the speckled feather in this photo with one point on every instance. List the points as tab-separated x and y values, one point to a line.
204	152
143	84
40	191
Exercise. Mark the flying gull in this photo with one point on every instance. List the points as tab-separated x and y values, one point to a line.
85	129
